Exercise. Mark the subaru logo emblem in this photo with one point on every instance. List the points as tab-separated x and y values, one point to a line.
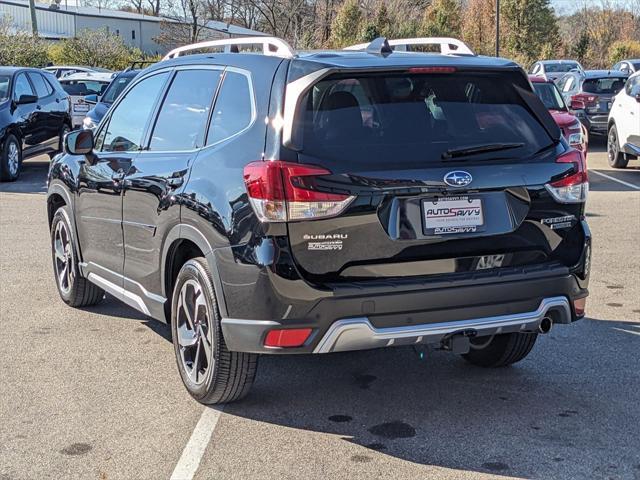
458	178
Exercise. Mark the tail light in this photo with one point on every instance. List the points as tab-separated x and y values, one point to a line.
583	100
281	192
574	187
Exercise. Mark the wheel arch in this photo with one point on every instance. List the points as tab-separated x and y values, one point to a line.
182	243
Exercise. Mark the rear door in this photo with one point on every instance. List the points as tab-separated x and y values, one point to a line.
153	184
440	173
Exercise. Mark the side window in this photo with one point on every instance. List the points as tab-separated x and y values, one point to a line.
183	117
233	111
22	87
568	86
43	89
536	68
130	117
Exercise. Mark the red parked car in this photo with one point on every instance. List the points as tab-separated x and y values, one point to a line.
572	129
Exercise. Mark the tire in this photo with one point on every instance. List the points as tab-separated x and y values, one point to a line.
63	131
10	159
75	290
502	350
219	376
616	158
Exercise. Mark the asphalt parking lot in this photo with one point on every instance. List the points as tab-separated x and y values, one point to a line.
95	394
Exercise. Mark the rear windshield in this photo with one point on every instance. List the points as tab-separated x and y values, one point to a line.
607	85
115	88
550	96
84	87
411	119
559	67
4	87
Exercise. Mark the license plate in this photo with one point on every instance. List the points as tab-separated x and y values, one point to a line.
82	108
452	215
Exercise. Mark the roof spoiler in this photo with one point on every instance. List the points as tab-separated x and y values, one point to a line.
271	46
448	46
139	64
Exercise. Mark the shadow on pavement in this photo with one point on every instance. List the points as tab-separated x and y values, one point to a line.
112	307
554	415
32	179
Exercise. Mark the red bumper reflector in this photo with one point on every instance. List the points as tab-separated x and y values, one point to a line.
291	337
579	306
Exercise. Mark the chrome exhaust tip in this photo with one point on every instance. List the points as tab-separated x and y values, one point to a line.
545	325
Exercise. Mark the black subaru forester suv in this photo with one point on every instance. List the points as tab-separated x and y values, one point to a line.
275	202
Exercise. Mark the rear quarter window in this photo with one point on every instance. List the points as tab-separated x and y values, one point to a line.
234	108
413	119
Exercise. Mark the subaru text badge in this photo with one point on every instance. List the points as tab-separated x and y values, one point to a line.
458	178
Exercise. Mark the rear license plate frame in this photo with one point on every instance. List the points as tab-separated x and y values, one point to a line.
471	226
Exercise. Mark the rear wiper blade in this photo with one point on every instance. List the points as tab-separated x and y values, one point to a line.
476	149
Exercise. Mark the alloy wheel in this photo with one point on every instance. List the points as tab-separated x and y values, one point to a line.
612	146
13	158
64	261
193	331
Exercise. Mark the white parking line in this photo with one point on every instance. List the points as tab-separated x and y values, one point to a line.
622	182
194	450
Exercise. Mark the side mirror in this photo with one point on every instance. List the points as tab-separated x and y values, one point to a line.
25	99
79	142
91	99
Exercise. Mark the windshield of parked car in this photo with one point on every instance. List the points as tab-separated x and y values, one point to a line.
416	118
84	87
606	85
550	96
636	65
115	89
559	67
4	87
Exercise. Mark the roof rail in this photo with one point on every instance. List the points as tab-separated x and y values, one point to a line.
270	46
448	46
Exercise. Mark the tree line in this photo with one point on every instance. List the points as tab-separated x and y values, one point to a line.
596	35
530	30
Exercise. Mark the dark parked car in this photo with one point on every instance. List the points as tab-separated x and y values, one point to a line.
590	95
296	203
103	103
34	117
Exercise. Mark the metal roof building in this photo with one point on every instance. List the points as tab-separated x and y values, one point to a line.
136	30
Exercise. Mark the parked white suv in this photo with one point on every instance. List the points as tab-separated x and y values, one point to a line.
623	139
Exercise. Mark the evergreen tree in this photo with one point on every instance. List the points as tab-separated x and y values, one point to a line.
346	27
527	25
442	18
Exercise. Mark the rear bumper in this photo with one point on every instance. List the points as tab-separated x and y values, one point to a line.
357	319
594	123
359	334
